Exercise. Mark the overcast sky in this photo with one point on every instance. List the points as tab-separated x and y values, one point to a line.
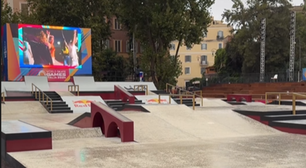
221	5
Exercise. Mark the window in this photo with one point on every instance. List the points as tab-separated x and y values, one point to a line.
127	47
187	70
172	46
188	48
187	58
202	70
204	60
220	34
117	45
24	8
105	44
117	25
203	46
204	34
220	45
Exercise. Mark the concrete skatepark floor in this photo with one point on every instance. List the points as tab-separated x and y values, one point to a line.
169	136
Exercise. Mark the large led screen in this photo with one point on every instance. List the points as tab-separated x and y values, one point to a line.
49	47
57	52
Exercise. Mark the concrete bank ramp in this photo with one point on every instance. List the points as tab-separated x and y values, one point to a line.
182	123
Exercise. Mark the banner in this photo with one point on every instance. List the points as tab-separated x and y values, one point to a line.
153	99
55	75
304	74
81	104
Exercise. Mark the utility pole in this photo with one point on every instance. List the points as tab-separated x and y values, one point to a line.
292	46
262	50
300	60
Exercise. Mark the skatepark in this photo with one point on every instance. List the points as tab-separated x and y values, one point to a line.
153	134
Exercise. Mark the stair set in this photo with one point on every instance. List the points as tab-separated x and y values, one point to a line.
118	105
58	105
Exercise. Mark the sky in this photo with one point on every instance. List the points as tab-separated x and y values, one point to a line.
221	5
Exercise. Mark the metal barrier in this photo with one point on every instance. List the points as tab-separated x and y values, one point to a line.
42	96
3	96
294	96
74	88
181	98
279	94
142	88
197	93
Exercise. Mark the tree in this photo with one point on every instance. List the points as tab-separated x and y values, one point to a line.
111	67
246	21
7	14
156	24
92	14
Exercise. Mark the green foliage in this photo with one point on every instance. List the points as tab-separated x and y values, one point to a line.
7	14
156	24
111	67
245	47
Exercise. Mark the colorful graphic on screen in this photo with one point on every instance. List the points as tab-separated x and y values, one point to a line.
37	50
49	46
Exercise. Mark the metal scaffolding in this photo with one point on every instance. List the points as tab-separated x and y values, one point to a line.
262	51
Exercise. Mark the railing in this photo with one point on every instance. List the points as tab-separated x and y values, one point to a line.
41	96
142	88
279	94
3	96
74	88
294	96
197	93
181	98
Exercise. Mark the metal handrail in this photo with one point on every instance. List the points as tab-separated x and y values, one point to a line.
74	88
193	93
294	96
41	96
3	96
181	98
181	91
142	88
279	94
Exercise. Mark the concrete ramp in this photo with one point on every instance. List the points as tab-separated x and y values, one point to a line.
40	81
213	103
206	124
85	82
81	104
153	99
15	86
76	133
22	108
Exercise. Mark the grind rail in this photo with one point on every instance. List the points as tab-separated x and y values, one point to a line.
41	96
198	93
142	88
293	98
181	98
74	88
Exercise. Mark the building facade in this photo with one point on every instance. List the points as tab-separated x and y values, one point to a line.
195	60
18	5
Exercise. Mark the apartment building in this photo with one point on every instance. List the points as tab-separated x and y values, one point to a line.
196	59
18	5
120	40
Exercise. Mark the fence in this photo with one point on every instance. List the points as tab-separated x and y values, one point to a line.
247	78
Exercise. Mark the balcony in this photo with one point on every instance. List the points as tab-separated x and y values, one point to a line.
203	63
220	37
